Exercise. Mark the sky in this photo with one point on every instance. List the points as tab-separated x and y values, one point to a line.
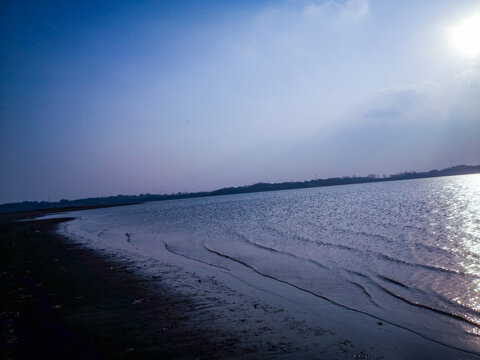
125	97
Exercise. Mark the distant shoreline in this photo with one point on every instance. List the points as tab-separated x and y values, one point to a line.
259	187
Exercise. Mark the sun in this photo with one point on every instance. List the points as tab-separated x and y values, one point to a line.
465	36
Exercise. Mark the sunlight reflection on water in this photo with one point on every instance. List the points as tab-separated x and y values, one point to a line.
467	213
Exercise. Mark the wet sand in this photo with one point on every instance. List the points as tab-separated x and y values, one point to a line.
60	301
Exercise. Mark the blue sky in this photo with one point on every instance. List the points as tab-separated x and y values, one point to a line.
102	98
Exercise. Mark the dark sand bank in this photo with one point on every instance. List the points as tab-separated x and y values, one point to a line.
62	301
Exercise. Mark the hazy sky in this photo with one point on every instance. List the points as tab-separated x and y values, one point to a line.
107	97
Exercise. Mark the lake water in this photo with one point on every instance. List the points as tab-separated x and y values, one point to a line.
405	252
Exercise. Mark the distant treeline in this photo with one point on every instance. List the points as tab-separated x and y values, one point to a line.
131	199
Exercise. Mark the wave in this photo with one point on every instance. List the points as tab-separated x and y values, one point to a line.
445	301
384	239
379	255
383	256
430	308
286	253
439	297
423	266
364	290
198	260
337	303
306	240
395	282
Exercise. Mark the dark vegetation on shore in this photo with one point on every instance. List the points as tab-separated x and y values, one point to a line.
259	187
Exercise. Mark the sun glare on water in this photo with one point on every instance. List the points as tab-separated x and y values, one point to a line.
465	36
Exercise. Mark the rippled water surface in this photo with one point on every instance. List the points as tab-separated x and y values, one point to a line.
407	252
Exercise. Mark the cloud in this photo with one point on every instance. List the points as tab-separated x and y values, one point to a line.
404	102
469	78
352	9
